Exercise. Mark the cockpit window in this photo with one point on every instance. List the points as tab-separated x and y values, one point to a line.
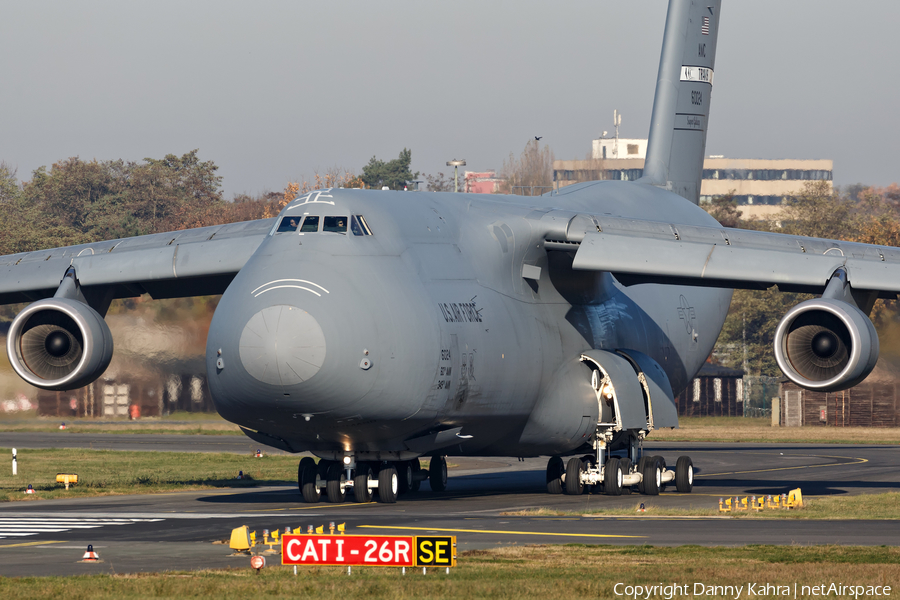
310	225
288	224
359	226
335	224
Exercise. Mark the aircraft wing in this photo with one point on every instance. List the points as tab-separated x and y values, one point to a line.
638	251
165	265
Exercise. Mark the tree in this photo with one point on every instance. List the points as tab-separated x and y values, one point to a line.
531	173
724	209
394	174
816	211
440	183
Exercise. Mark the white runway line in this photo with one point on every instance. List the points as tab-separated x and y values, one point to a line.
27	526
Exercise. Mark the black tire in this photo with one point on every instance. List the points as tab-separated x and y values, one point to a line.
642	462
662	469
333	489
684	475
626	470
574	485
417	468
612	477
652	476
405	471
437	474
361	491
388	484
556	468
309	489
306	461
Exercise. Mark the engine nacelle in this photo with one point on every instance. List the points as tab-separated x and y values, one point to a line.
59	344
825	344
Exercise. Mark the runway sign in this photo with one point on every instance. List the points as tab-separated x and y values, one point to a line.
368	550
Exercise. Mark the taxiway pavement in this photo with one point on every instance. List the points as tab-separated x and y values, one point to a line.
177	530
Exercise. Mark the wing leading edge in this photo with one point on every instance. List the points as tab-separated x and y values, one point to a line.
652	252
165	265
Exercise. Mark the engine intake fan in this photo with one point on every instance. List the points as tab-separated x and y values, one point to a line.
826	344
59	344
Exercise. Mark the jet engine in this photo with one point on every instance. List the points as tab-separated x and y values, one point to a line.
59	344
826	344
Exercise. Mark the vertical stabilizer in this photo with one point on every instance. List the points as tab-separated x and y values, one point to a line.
681	105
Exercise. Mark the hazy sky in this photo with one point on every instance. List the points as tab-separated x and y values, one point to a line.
272	91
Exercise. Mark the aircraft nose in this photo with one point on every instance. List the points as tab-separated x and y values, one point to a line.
282	345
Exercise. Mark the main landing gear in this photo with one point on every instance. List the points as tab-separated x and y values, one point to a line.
616	476
366	480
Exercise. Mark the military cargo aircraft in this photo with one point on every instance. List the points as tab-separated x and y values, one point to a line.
372	328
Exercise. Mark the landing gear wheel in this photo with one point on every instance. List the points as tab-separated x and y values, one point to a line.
416	469
334	487
574	485
662	469
437	474
405	471
388	485
626	470
684	474
640	469
308	487
652	475
612	477
555	471
306	461
361	490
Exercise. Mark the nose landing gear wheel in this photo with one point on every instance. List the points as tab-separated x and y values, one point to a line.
437	473
388	485
684	474
308	487
574	485
555	471
334	487
361	490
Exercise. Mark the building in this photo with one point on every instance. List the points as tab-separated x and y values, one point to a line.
716	391
760	185
873	403
482	182
619	148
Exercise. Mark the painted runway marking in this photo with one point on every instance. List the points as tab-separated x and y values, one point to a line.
15	527
590	535
852	460
32	544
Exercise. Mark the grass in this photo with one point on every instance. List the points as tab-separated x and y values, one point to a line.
573	571
107	472
863	506
747	429
184	423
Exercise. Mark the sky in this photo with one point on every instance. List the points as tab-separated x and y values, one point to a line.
274	91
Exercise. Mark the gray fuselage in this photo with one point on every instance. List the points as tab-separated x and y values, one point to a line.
339	342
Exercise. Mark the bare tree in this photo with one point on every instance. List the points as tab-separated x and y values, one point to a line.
531	173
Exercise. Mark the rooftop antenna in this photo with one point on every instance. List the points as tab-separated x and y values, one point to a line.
617	120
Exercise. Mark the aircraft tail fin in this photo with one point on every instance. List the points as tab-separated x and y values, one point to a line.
681	106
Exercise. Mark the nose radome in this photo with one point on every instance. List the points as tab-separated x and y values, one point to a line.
282	345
